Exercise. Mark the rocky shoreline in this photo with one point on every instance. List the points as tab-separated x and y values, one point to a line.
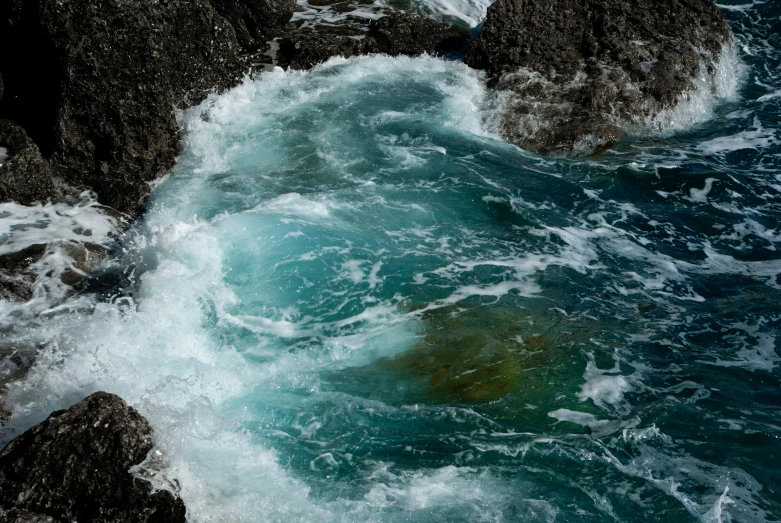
97	113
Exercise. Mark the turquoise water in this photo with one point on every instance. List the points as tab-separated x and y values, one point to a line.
352	301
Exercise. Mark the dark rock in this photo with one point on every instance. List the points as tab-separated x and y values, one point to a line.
16	278
412	35
394	34
255	21
108	73
577	72
75	467
25	516
25	176
306	50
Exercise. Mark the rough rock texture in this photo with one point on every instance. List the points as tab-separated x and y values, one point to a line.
578	70
307	49
255	21
25	176
394	34
412	35
16	278
24	516
74	467
108	73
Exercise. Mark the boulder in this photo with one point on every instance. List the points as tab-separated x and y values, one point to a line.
100	101
75	467
394	34
577	73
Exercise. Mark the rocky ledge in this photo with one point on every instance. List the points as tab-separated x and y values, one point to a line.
97	110
394	34
575	74
94	84
88	100
75	466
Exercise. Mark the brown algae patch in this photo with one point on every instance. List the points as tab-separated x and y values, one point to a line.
480	355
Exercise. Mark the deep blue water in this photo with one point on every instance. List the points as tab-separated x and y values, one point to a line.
352	301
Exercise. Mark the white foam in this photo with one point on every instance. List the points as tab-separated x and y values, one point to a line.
714	515
758	138
604	387
759	355
701	195
469	12
23	226
293	204
65	230
709	91
583	419
683	478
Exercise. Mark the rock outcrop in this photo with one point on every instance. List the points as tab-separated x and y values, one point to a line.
75	467
255	21
394	34
576	72
94	83
25	176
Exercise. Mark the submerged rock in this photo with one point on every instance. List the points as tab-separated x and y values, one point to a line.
395	34
75	467
576	73
100	101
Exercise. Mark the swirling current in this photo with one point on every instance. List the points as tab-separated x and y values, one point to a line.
353	301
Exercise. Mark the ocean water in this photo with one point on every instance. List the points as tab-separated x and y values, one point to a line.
353	301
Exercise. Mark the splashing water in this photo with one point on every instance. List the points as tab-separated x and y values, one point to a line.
353	302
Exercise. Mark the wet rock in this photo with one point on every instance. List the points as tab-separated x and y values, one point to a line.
99	101
576	73
74	467
255	21
16	276
394	34
412	35
25	176
306	50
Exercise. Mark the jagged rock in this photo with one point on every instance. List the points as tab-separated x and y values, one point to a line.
25	176
108	73
394	34
306	50
412	35
255	21
576	73
74	467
